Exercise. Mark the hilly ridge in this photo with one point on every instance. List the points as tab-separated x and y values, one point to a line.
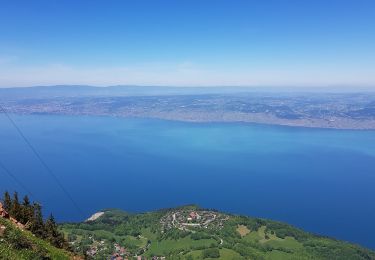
191	232
188	232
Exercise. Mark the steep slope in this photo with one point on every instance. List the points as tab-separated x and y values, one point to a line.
194	233
19	244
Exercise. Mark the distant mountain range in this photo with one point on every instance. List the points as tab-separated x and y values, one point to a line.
129	90
79	91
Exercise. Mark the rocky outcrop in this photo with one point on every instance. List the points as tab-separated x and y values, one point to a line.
95	216
2	230
5	214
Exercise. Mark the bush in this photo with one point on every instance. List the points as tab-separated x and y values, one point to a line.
199	236
211	253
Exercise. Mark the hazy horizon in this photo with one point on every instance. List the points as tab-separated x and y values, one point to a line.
265	88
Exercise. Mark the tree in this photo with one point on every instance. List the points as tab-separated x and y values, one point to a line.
37	225
26	201
27	211
7	201
50	226
15	210
211	253
52	233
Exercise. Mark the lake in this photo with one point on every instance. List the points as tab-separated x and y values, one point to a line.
321	180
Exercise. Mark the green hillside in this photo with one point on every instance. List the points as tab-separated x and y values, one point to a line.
21	244
194	233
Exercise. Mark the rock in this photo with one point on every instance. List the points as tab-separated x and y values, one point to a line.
95	216
3	212
2	230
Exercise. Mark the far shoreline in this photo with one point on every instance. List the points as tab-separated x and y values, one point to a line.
206	121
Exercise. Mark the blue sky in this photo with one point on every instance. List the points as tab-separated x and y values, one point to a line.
188	42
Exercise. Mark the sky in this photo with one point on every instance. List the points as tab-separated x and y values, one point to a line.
188	42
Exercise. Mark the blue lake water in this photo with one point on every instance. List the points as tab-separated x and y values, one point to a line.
317	179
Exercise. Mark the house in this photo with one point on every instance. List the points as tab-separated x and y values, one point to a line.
116	257
194	216
122	251
92	251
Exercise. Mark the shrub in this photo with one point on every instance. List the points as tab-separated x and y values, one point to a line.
211	253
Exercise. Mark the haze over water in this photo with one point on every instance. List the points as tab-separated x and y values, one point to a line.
317	179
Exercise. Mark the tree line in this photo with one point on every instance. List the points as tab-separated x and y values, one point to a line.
30	215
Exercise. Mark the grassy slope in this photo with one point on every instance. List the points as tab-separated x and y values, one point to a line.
243	238
18	244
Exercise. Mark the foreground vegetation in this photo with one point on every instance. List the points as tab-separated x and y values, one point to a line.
25	235
194	233
29	216
22	244
187	233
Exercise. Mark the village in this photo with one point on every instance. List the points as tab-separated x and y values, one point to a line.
185	220
117	252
